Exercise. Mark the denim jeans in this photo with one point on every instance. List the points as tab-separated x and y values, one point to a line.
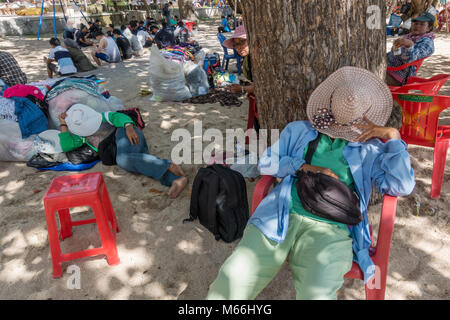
136	158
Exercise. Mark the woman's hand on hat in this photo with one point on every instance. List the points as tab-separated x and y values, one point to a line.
132	135
374	131
315	169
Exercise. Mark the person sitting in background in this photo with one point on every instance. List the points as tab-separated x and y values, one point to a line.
165	36
82	125
82	37
416	45
153	31
110	31
144	38
10	71
133	27
140	26
93	29
81	62
106	50
231	22
69	31
347	114
62	57
148	22
181	33
123	44
174	21
134	41
224	26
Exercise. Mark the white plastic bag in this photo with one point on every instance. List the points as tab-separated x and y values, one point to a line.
167	78
66	99
196	78
12	146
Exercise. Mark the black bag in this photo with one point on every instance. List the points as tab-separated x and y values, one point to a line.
107	150
219	201
326	196
83	154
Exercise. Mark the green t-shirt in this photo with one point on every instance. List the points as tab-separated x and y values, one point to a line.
329	155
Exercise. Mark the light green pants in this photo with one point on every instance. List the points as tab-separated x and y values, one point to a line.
319	254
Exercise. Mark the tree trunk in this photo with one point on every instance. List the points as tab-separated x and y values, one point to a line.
187	10
295	45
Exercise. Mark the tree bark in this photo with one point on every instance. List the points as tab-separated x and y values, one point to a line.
295	45
187	10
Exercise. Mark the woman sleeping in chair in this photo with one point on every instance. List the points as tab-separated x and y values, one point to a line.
347	114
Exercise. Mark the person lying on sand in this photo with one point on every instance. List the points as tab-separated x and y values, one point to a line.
82	125
347	115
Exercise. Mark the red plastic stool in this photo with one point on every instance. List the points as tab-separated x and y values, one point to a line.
79	190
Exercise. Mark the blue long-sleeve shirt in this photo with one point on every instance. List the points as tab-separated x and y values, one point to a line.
387	165
422	48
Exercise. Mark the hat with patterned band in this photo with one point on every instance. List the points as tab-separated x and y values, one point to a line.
345	98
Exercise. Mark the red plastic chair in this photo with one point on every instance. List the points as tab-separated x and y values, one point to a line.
79	190
420	126
379	252
252	114
429	86
417	63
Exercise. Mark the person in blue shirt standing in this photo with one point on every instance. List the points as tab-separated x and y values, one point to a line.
347	113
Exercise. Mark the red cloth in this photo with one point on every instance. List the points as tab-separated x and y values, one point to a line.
23	90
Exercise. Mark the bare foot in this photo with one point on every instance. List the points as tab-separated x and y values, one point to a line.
176	170
177	186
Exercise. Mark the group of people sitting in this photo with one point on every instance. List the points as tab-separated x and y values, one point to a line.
116	45
347	117
227	24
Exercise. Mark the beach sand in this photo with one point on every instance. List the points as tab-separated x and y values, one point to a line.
162	258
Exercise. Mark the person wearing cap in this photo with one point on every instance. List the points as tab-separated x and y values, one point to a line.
347	113
416	45
81	125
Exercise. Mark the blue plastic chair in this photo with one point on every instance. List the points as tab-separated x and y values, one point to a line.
227	57
394	22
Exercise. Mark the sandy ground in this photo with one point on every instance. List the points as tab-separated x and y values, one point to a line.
162	258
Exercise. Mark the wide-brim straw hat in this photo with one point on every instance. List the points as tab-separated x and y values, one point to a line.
345	98
239	33
83	120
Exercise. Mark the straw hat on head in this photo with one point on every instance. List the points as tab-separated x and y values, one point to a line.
239	33
83	120
345	98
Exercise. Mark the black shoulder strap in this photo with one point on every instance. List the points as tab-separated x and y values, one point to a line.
311	149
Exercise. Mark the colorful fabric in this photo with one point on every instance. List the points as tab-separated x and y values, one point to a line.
23	90
423	47
10	71
7	109
90	86
386	165
30	117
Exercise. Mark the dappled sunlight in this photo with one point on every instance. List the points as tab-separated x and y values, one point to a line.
160	256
